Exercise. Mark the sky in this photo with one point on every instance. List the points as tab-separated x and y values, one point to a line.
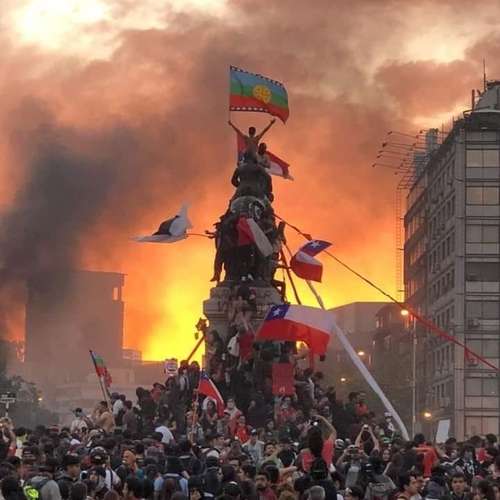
114	112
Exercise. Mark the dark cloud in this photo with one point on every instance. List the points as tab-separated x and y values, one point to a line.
97	151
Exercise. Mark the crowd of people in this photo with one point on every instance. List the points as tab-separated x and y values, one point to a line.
266	441
173	444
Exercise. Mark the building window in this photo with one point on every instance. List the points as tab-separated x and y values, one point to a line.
483	195
489	348
481	387
490	158
483	310
482	271
474	158
482	158
483	239
481	425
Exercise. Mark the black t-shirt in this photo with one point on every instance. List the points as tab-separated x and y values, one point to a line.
287	457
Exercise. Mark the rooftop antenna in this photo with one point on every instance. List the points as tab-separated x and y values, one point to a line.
484	74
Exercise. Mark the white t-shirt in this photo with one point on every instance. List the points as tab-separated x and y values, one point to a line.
117	406
165	432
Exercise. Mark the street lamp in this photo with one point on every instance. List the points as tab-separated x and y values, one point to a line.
343	380
404	312
427	415
361	353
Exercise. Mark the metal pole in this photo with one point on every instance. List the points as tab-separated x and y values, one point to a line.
414	384
193	352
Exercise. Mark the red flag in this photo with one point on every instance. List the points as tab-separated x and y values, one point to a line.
283	379
250	233
209	389
277	166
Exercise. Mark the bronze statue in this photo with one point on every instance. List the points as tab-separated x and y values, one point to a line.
252	199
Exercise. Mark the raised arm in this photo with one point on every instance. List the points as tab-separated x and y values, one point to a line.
235	128
271	123
375	441
330	429
357	442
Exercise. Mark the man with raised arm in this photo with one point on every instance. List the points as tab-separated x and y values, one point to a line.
252	139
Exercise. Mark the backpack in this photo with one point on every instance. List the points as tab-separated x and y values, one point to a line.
379	490
32	490
175	479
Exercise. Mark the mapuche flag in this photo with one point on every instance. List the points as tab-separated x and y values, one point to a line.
209	389
291	323
100	369
252	92
303	263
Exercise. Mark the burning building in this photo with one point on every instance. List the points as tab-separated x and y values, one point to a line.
68	313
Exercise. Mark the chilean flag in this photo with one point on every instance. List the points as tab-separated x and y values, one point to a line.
209	389
249	232
278	166
303	263
291	323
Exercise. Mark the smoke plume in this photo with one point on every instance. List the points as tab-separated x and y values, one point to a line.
98	148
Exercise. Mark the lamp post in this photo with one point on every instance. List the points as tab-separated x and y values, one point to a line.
414	382
406	313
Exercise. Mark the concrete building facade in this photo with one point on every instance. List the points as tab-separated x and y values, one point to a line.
452	271
68	313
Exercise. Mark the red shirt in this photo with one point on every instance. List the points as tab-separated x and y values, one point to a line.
481	455
430	458
326	454
361	409
267	494
246	346
242	433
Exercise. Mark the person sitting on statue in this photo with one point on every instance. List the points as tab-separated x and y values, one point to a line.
252	139
262	156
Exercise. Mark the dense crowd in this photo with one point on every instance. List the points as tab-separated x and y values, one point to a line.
173	444
296	441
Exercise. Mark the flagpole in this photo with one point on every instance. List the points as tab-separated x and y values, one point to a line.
196	347
361	367
105	392
316	294
287	270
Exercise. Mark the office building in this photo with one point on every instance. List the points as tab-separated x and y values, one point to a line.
452	271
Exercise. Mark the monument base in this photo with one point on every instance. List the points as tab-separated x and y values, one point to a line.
216	308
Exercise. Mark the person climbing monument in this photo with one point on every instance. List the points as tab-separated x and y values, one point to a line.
262	156
252	139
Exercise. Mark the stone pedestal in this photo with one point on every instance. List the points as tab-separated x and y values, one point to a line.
215	308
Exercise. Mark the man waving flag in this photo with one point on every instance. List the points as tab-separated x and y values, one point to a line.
274	163
209	389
